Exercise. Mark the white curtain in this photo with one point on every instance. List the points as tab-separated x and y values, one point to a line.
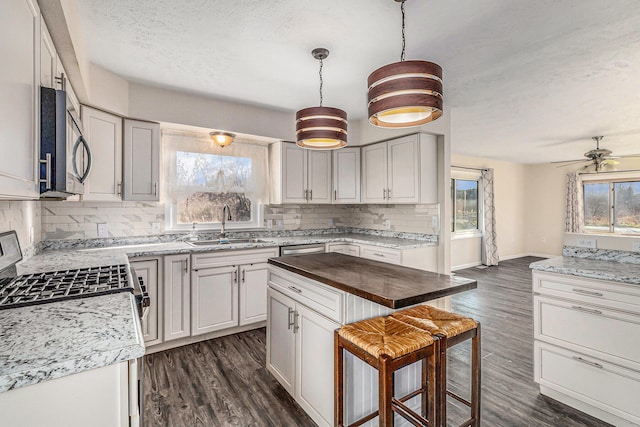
489	247
574	214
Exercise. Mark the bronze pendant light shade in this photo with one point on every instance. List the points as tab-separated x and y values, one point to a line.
406	93
321	128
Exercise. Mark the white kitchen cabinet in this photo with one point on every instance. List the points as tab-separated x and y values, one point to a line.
346	175
19	104
141	160
344	248
281	338
177	297
214	299
253	293
48	59
299	175
401	170
377	253
149	271
583	355
103	132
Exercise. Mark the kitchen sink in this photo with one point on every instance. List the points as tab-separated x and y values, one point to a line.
225	242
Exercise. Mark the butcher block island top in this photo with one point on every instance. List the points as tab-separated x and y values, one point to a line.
389	285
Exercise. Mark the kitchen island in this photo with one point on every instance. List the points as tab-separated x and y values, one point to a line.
310	296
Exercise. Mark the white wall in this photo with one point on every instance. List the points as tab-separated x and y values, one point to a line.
108	91
24	218
510	202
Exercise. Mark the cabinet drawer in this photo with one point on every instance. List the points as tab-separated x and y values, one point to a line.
592	329
344	248
381	254
323	299
601	384
232	257
611	294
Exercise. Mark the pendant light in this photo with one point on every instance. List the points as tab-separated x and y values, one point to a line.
321	128
222	139
405	93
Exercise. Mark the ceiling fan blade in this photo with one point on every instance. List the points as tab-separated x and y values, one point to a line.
574	163
610	161
628	156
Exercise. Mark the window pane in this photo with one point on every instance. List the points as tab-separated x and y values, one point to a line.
596	206
207	207
627	207
466	205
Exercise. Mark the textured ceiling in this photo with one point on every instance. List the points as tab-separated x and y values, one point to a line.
526	81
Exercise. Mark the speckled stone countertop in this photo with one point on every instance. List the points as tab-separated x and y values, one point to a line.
48	341
616	266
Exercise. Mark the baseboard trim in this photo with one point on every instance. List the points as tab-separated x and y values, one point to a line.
463	266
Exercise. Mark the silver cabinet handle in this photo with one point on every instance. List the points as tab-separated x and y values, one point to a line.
306	194
47	171
235	276
296	326
119	185
384	194
388	193
61	80
594	364
586	310
155	189
291	318
294	289
378	254
591	293
310	194
335	194
186	265
243	271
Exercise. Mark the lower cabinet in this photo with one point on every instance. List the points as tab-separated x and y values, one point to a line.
300	354
177	297
214	299
344	248
253	293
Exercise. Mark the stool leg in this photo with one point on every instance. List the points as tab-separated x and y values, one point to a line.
425	393
476	360
431	392
441	395
338	381
385	383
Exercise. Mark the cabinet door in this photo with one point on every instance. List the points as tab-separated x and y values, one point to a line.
319	176
48	59
403	174
141	160
19	104
151	325
214	299
374	173
281	338
254	279
294	174
103	132
346	175
314	364
177	297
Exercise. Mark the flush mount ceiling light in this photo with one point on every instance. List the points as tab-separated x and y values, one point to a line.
405	93
222	138
321	128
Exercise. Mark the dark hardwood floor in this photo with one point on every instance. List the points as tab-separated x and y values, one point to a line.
223	382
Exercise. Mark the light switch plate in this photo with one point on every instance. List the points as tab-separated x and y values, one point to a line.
269	224
330	222
586	243
387	224
155	227
635	246
103	230
280	223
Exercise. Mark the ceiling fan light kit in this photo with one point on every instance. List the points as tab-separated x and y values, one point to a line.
406	93
222	139
321	128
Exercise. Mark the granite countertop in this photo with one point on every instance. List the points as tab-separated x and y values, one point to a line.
601	269
389	285
48	341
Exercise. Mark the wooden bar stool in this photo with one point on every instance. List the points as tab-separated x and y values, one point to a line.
452	329
387	345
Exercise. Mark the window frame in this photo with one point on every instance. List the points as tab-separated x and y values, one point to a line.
466	175
612	179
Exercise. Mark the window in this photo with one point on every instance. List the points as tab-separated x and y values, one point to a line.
464	194
202	177
612	206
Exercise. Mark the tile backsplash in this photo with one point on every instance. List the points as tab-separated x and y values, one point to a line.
24	217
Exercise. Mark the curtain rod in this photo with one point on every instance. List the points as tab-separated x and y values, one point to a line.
598	173
471	169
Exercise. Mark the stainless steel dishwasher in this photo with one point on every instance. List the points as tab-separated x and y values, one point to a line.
316	248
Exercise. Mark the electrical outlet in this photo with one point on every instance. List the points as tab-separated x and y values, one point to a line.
103	231
387	224
269	224
155	227
32	234
280	223
330	222
586	243
635	246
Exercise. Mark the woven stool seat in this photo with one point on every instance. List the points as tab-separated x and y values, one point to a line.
386	335
435	321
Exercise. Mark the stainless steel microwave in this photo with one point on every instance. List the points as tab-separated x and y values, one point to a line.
65	157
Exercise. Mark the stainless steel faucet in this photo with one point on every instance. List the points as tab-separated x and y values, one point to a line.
226	215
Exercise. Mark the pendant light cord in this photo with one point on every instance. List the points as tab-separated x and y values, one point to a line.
403	37
321	82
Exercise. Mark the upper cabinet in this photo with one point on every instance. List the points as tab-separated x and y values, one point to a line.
346	175
103	132
299	175
141	160
401	170
19	104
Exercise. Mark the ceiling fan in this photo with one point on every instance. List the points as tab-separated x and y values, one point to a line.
598	157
